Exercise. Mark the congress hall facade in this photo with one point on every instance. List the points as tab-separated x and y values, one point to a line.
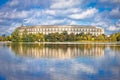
47	29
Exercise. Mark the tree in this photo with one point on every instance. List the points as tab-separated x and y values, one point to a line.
52	37
1	38
25	36
30	38
65	35
118	37
100	38
72	37
8	38
15	36
39	37
62	37
88	36
113	37
78	37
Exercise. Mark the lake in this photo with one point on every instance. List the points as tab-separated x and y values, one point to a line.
33	61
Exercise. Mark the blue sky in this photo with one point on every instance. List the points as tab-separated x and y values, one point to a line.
102	13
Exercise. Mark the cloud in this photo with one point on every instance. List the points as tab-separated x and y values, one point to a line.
13	3
85	14
112	28
107	25
14	14
59	12
115	13
63	4
1	20
118	23
17	14
50	12
64	12
25	5
110	1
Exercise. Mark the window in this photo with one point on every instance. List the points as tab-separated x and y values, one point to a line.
35	29
43	29
66	29
59	29
69	29
53	29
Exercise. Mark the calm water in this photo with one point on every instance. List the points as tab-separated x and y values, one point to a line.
59	61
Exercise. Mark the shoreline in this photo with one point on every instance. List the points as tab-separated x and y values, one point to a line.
88	42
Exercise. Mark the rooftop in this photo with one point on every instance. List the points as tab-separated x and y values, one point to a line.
55	26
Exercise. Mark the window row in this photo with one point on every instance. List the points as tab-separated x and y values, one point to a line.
62	29
93	33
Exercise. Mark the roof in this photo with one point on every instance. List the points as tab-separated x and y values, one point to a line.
56	26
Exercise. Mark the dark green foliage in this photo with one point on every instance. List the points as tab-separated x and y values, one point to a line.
72	37
118	36
100	38
15	36
113	38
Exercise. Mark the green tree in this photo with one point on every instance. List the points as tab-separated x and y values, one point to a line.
51	37
100	38
118	37
113	38
72	37
39	37
62	37
25	36
1	39
15	36
89	36
8	38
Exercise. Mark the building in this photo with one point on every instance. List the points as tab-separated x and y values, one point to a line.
76	29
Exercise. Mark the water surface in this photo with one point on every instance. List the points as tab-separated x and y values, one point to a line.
30	61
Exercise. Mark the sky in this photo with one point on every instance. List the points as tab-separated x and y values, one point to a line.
101	13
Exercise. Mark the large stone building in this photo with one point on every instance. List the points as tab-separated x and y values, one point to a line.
76	29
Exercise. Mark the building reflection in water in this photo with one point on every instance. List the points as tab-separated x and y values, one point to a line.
61	51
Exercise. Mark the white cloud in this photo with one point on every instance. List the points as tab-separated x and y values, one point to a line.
59	12
26	4
113	28
15	14
54	21
14	26
85	14
73	23
111	1
1	20
118	23
50	12
115	13
21	14
13	3
68	12
62	4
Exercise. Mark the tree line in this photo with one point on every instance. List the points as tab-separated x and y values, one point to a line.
58	37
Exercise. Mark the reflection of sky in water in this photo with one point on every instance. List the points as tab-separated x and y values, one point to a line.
14	67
